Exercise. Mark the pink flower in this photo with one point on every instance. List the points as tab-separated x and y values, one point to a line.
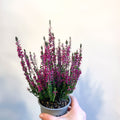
58	72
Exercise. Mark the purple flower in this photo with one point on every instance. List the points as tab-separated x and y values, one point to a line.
58	72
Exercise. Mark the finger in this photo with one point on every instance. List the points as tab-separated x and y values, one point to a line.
45	116
75	104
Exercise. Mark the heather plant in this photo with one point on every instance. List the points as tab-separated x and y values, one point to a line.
58	72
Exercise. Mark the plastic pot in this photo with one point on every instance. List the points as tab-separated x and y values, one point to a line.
55	112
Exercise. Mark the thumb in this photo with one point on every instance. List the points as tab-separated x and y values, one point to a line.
45	116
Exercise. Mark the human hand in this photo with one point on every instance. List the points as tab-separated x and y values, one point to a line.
74	113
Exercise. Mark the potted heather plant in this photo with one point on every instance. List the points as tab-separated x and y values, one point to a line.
57	75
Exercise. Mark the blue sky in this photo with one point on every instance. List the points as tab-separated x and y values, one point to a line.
93	23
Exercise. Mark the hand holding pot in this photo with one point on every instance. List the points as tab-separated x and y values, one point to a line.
75	113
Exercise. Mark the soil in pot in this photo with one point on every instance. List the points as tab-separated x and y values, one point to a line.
56	104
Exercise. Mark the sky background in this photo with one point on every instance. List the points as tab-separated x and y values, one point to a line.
95	24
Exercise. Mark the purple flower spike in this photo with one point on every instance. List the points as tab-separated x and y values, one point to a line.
58	72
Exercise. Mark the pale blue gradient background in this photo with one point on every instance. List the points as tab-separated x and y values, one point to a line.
95	24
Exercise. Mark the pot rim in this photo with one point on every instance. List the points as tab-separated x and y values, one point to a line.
56	108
